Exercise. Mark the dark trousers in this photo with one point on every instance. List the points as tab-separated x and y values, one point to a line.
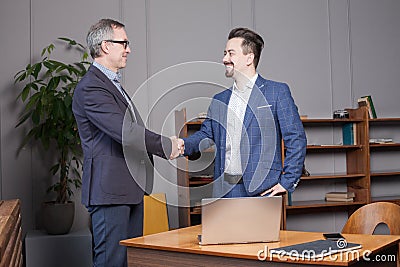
111	224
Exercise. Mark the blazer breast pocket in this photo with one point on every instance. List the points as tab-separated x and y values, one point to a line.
263	115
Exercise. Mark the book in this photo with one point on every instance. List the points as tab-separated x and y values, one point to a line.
371	105
340	195
337	199
381	140
367	101
363	102
289	199
355	140
315	249
348	134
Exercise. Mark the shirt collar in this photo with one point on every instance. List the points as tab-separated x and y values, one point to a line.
113	76
249	84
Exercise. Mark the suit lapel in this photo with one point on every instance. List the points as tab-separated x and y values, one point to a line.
114	90
109	85
256	100
222	112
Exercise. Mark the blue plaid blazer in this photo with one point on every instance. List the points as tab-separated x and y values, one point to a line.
271	115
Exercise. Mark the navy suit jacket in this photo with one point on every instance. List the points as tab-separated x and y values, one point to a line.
271	115
117	150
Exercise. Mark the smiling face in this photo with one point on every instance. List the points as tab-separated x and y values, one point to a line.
118	54
115	55
236	63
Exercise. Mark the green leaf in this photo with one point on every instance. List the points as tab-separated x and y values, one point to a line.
50	48
23	118
54	169
19	76
25	92
37	68
53	83
36	116
68	101
49	65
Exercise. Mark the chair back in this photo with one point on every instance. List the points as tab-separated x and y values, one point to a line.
155	219
366	219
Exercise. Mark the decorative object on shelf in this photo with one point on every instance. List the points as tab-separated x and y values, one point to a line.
340	114
47	94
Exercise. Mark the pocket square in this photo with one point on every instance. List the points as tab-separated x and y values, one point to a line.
266	106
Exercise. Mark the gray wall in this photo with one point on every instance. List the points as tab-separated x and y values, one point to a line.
330	52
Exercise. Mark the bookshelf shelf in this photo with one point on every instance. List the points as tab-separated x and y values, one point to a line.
394	199
385	145
199	183
318	122
377	120
339	147
333	176
320	205
388	173
196	212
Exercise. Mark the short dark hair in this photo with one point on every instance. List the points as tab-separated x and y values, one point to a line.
102	30
252	42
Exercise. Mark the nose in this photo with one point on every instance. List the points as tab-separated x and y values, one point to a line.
128	49
225	58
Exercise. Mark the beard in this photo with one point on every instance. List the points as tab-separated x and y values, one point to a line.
229	71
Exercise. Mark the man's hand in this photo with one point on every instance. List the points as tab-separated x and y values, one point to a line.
275	190
181	146
178	147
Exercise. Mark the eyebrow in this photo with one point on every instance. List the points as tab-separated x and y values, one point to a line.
229	50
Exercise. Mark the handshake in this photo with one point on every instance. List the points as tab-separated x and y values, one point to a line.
178	147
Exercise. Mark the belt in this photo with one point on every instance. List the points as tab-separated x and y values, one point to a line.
233	179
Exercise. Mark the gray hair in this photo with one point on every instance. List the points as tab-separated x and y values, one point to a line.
102	30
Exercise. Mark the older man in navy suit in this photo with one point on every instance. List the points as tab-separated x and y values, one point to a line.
247	123
113	137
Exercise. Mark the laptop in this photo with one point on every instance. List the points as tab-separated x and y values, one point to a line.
240	220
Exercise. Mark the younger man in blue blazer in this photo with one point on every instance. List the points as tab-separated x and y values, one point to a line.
247	123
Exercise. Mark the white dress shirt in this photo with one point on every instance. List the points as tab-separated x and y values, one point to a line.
235	116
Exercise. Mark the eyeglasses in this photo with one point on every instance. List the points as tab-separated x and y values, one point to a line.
124	43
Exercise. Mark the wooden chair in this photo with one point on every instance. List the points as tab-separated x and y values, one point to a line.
366	219
155	218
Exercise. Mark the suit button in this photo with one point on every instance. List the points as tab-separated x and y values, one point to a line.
142	161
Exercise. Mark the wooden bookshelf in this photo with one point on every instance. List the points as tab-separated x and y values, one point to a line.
377	148
357	175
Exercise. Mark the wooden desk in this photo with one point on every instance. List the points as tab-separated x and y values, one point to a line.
180	248
10	233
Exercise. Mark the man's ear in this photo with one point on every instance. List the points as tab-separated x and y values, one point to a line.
250	59
105	47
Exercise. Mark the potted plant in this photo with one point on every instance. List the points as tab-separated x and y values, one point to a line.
47	95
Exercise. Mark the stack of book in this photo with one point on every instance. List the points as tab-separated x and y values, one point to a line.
340	196
381	141
367	101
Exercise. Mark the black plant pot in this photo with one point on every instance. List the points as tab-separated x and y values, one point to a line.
58	218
